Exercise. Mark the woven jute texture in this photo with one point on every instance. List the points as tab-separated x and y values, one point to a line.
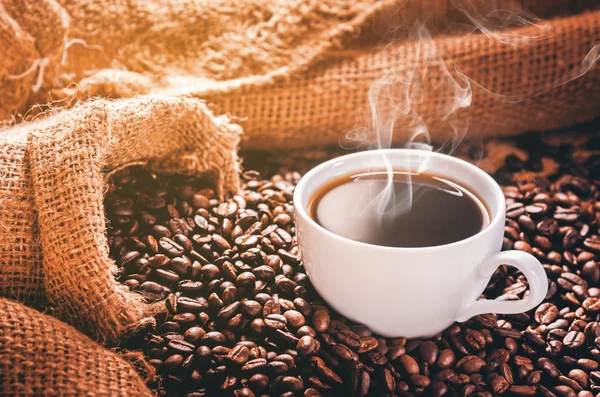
298	72
41	356
20	255
317	107
57	185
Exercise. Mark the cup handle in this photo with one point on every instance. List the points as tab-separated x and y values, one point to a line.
529	266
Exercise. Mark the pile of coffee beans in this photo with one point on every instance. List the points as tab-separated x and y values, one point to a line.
243	319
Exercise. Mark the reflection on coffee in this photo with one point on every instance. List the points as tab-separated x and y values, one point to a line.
398	210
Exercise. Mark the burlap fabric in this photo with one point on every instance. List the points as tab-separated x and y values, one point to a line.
317	107
58	180
20	253
41	356
297	71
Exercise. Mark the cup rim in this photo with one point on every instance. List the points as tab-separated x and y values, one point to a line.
495	218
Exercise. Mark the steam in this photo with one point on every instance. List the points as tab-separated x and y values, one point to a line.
394	110
499	24
589	61
396	99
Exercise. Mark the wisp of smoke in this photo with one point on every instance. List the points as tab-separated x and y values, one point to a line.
394	102
499	20
395	98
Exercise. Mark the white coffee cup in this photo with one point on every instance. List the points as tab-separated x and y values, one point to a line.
411	292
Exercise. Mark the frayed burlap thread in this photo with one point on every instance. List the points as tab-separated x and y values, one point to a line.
59	187
41	356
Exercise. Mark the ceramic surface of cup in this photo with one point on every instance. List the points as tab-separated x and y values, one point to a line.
411	292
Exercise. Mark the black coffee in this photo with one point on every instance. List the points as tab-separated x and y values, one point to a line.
403	210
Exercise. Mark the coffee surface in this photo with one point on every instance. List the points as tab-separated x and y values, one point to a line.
398	210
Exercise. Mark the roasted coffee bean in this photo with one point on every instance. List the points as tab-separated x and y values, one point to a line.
239	354
545	392
409	364
243	392
375	357
445	359
170	247
278	367
294	318
311	392
189	287
474	340
231	272
166	276
172	362
548	367
220	353
546	313
564	391
194	334
418	380
382	346
349	338
429	352
537	208
460	379
291	384
254	365
286	358
534	378
193	305
360	382
515	210
158	261
580	377
307	345
499	385
181	347
306	330
523	246
230	295
258	382
525	222
367	344
470	364
523	390
574	339
214	337
438	389
591	305
185	318
160	231
271	307
286	337
321	320
394	352
245	279
275	321
547	227
344	352
587	364
324	371
593	244
591	271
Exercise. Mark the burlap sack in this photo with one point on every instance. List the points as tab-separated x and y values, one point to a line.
318	107
20	253
60	179
298	71
41	356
